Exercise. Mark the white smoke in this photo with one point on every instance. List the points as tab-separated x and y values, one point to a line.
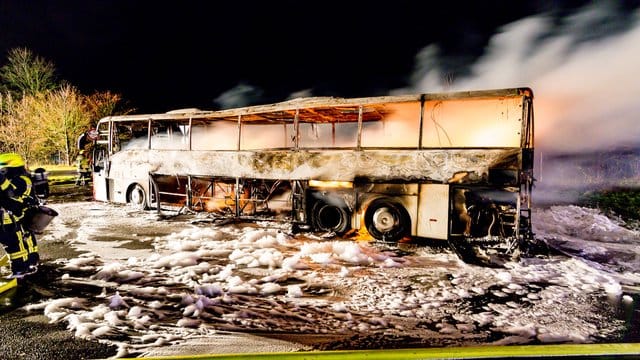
240	95
582	71
301	94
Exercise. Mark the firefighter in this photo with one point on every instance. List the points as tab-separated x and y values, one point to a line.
82	168
15	197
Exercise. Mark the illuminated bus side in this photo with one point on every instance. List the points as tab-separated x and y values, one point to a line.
443	166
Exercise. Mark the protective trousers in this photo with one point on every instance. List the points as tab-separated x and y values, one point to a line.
21	247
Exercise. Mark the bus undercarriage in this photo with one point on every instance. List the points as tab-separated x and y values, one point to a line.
482	223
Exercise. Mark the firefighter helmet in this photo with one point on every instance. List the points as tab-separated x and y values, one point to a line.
11	160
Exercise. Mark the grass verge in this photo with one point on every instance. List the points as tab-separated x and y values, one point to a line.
623	203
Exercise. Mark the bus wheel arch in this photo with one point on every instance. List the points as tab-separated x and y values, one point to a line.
137	197
331	214
387	220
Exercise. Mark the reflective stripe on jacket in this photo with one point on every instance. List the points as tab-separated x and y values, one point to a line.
15	199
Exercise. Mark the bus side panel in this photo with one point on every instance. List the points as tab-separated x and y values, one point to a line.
119	190
100	187
411	204
433	211
111	189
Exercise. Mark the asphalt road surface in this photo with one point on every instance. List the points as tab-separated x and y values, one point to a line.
30	335
421	299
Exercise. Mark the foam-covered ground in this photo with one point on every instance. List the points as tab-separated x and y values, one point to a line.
164	286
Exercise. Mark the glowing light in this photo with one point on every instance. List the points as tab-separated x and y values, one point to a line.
330	184
495	122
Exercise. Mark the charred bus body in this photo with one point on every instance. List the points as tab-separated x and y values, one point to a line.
453	167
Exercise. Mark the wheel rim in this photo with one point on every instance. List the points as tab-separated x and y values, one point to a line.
384	219
137	197
387	220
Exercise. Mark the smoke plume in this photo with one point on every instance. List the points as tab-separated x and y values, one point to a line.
581	68
240	95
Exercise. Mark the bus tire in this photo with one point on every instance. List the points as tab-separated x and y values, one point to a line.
137	197
387	220
332	216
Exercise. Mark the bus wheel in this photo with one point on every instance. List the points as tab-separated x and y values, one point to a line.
137	197
387	220
328	216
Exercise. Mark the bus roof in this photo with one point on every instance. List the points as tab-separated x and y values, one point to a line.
320	109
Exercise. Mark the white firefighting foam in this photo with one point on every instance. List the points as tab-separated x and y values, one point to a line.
192	281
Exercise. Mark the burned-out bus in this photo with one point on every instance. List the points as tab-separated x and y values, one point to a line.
452	167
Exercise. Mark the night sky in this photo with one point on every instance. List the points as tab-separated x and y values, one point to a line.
162	56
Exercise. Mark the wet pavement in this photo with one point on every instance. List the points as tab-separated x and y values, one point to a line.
30	335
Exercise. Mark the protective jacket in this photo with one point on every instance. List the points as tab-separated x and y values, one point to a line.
15	197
